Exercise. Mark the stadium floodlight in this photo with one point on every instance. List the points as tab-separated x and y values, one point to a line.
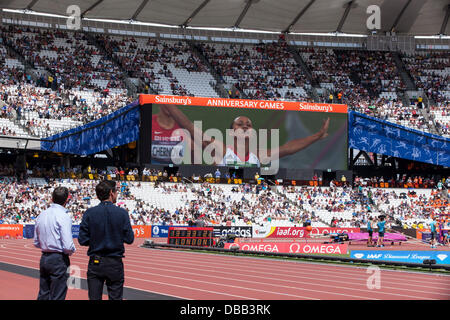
234	29
439	36
328	34
36	13
134	22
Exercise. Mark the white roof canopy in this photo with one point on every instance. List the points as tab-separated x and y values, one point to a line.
411	17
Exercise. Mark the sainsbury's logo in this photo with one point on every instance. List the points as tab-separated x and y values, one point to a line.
174	100
315	107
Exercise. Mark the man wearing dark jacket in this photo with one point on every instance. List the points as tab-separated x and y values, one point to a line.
105	228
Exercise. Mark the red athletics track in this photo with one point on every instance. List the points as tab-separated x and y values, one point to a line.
201	276
19	287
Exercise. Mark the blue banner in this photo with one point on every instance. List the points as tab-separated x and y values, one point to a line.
160	231
382	137
441	257
116	129
28	231
75	230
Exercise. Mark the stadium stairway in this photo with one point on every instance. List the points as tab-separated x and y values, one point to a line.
28	68
220	83
403	72
404	98
430	122
314	84
444	192
131	87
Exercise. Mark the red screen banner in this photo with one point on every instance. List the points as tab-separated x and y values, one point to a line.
291	247
242	103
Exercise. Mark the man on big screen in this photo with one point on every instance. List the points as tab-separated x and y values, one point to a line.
240	151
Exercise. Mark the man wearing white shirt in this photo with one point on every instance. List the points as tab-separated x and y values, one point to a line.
53	235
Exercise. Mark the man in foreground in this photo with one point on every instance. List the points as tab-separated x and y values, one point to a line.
105	228
53	235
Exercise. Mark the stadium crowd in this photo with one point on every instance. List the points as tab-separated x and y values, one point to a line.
429	70
263	71
225	204
78	79
78	76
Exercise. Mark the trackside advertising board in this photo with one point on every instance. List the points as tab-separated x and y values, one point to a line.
291	247
441	257
160	231
142	231
28	231
75	230
296	232
11	230
239	232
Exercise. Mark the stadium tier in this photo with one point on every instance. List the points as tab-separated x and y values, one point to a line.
257	205
76	77
225	150
53	80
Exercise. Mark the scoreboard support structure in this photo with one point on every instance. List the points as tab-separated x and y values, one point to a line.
191	236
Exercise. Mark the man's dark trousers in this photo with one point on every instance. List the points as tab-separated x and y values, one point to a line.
53	276
107	270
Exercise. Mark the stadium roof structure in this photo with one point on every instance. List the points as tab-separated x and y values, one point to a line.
409	17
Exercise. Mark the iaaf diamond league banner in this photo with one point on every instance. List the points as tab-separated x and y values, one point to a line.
441	257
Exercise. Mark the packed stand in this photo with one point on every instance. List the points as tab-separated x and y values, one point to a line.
263	71
431	73
168	67
42	111
441	116
144	194
70	57
335	206
367	81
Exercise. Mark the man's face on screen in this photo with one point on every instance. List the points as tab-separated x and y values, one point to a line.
241	125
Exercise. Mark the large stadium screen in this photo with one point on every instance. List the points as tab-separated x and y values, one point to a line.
237	132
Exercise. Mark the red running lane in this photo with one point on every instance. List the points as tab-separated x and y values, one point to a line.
21	287
200	276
